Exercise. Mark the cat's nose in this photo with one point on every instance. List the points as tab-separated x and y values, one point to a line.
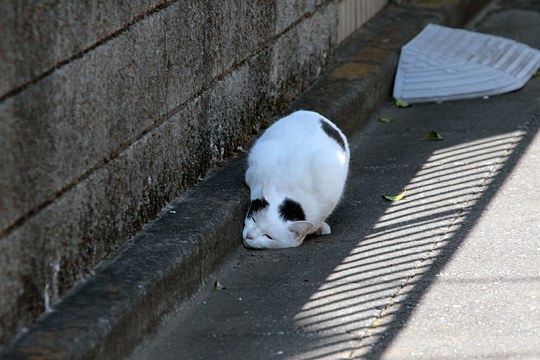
249	236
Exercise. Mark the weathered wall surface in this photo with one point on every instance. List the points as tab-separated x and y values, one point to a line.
108	111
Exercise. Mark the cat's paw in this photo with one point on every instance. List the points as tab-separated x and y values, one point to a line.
324	229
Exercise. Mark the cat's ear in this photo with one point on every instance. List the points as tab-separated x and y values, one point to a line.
301	228
269	189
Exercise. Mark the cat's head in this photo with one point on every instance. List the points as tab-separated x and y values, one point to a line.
275	221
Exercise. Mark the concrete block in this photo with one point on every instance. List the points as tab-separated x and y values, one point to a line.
313	39
37	37
289	12
65	126
42	258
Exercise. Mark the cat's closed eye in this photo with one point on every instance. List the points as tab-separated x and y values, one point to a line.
268	236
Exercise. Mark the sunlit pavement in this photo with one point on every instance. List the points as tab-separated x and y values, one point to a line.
450	271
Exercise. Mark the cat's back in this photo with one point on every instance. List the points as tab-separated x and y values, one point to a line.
297	127
298	135
302	147
301	133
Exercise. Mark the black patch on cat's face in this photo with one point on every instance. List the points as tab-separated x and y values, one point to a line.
291	210
257	205
333	133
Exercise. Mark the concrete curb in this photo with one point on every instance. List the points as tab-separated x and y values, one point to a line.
108	314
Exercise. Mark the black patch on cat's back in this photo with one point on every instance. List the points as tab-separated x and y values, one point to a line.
333	133
291	210
257	205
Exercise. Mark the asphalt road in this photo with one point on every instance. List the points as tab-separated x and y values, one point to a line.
450	271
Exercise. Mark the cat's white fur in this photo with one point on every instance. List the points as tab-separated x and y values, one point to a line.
294	159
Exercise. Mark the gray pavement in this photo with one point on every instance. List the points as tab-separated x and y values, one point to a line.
451	271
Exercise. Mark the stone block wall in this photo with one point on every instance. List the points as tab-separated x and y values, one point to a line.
110	110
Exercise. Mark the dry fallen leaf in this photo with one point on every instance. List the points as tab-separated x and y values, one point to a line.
218	286
400	103
432	136
394	198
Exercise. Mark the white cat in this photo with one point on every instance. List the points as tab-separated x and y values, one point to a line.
296	172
